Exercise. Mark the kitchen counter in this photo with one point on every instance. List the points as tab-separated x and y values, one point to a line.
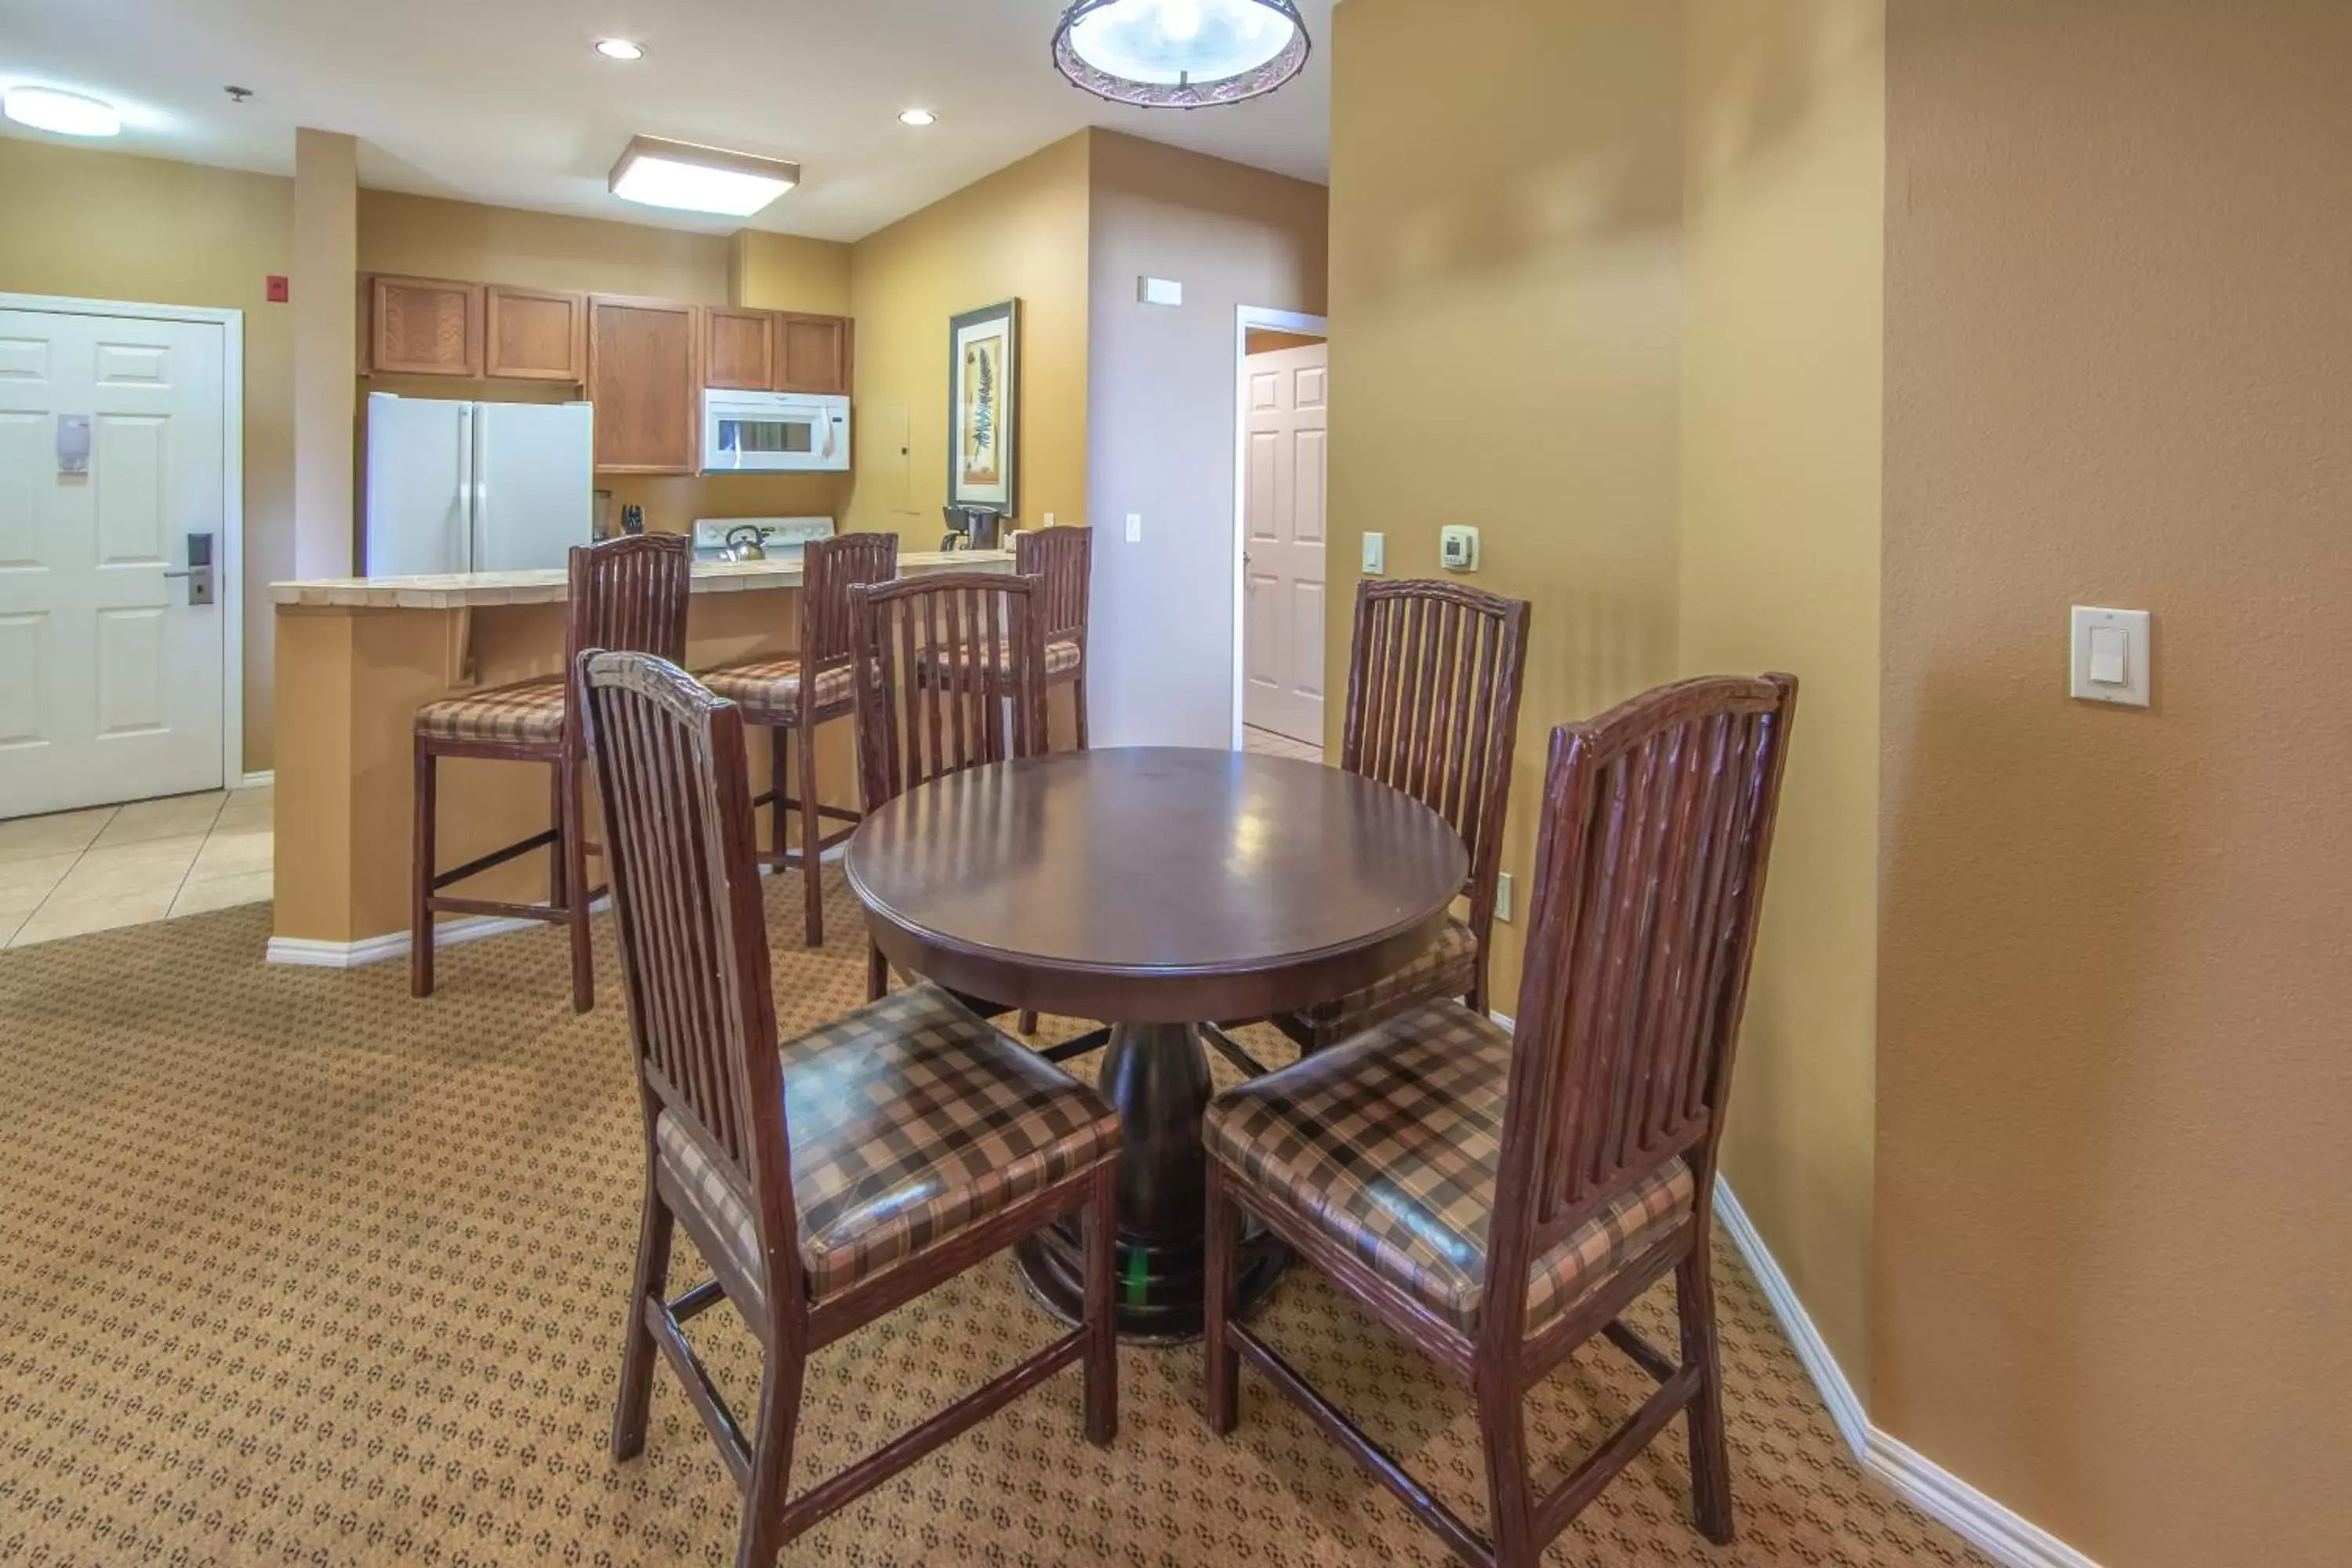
472	590
357	656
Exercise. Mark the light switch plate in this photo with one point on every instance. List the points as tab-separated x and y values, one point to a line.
1135	528
1159	290
1376	551
2092	640
1503	897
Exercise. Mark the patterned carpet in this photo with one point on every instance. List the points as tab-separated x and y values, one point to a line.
295	1270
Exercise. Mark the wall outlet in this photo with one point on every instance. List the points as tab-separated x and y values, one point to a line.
1159	290
1503	897
1135	528
1375	555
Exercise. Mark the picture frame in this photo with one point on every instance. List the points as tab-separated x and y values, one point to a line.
984	409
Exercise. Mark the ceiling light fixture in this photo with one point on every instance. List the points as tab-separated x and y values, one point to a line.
67	113
917	117
1180	53
663	174
620	49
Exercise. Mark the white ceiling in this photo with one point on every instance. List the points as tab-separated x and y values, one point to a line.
503	100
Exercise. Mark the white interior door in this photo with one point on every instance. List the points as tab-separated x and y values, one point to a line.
1282	563
110	680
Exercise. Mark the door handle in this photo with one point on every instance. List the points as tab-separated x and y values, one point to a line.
200	569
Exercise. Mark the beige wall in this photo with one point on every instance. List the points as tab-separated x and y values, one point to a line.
2112	1277
105	225
1161	419
1020	231
1526	200
1781	352
425	237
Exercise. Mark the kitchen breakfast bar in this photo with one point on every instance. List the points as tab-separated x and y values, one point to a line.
357	656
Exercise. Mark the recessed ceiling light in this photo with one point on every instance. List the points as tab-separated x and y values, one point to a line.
620	49
67	113
917	117
663	174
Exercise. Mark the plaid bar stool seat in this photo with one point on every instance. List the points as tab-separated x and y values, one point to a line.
912	1120
530	713
1449	968
1389	1145
769	690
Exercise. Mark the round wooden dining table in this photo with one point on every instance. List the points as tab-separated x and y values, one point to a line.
1154	888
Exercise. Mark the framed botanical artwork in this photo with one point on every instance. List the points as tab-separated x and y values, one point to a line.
984	409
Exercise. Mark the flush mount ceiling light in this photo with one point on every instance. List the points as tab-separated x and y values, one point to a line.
699	179
620	49
1180	53
67	113
917	117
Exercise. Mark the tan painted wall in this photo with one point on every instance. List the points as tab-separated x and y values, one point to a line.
1526	200
425	237
1161	419
1020	232
326	350
1781	478
91	224
2111	1274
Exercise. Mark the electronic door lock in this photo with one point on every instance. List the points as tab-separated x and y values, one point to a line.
200	569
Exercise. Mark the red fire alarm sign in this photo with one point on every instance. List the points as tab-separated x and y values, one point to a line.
277	289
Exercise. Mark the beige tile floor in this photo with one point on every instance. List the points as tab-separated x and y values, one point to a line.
1273	745
79	871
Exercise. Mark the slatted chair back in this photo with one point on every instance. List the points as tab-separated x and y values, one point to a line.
1657	827
627	594
1062	559
693	929
830	568
1435	671
940	660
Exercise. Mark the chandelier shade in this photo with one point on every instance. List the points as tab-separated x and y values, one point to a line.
1180	53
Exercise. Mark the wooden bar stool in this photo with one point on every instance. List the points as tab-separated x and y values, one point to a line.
795	692
623	594
1062	559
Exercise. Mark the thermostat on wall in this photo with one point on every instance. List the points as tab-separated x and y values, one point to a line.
1457	548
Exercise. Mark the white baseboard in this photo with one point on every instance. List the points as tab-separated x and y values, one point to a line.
312	953
1933	1491
261	780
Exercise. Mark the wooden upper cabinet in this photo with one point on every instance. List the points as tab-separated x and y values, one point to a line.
536	335
424	326
816	353
739	348
644	376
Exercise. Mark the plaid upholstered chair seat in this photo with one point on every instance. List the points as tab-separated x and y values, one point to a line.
770	686
1389	1144
529	713
911	1121
1447	971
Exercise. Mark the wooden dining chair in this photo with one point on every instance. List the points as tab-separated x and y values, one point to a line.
1435	671
829	1180
792	694
627	592
1498	1201
952	679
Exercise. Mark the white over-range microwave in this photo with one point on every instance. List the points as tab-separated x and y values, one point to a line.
773	432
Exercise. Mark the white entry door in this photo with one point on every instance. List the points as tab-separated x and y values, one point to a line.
1282	640
110	680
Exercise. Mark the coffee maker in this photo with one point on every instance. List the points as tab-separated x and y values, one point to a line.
971	528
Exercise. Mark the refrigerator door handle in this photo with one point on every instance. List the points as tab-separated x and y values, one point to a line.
465	506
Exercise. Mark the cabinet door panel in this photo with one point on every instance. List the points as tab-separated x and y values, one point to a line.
816	353
739	348
643	377
424	326
536	336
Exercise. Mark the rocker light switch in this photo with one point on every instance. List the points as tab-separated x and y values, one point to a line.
2110	662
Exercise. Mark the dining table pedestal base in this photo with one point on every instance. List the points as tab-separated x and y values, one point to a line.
1156	1076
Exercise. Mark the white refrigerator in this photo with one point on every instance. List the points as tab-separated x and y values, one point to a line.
475	487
